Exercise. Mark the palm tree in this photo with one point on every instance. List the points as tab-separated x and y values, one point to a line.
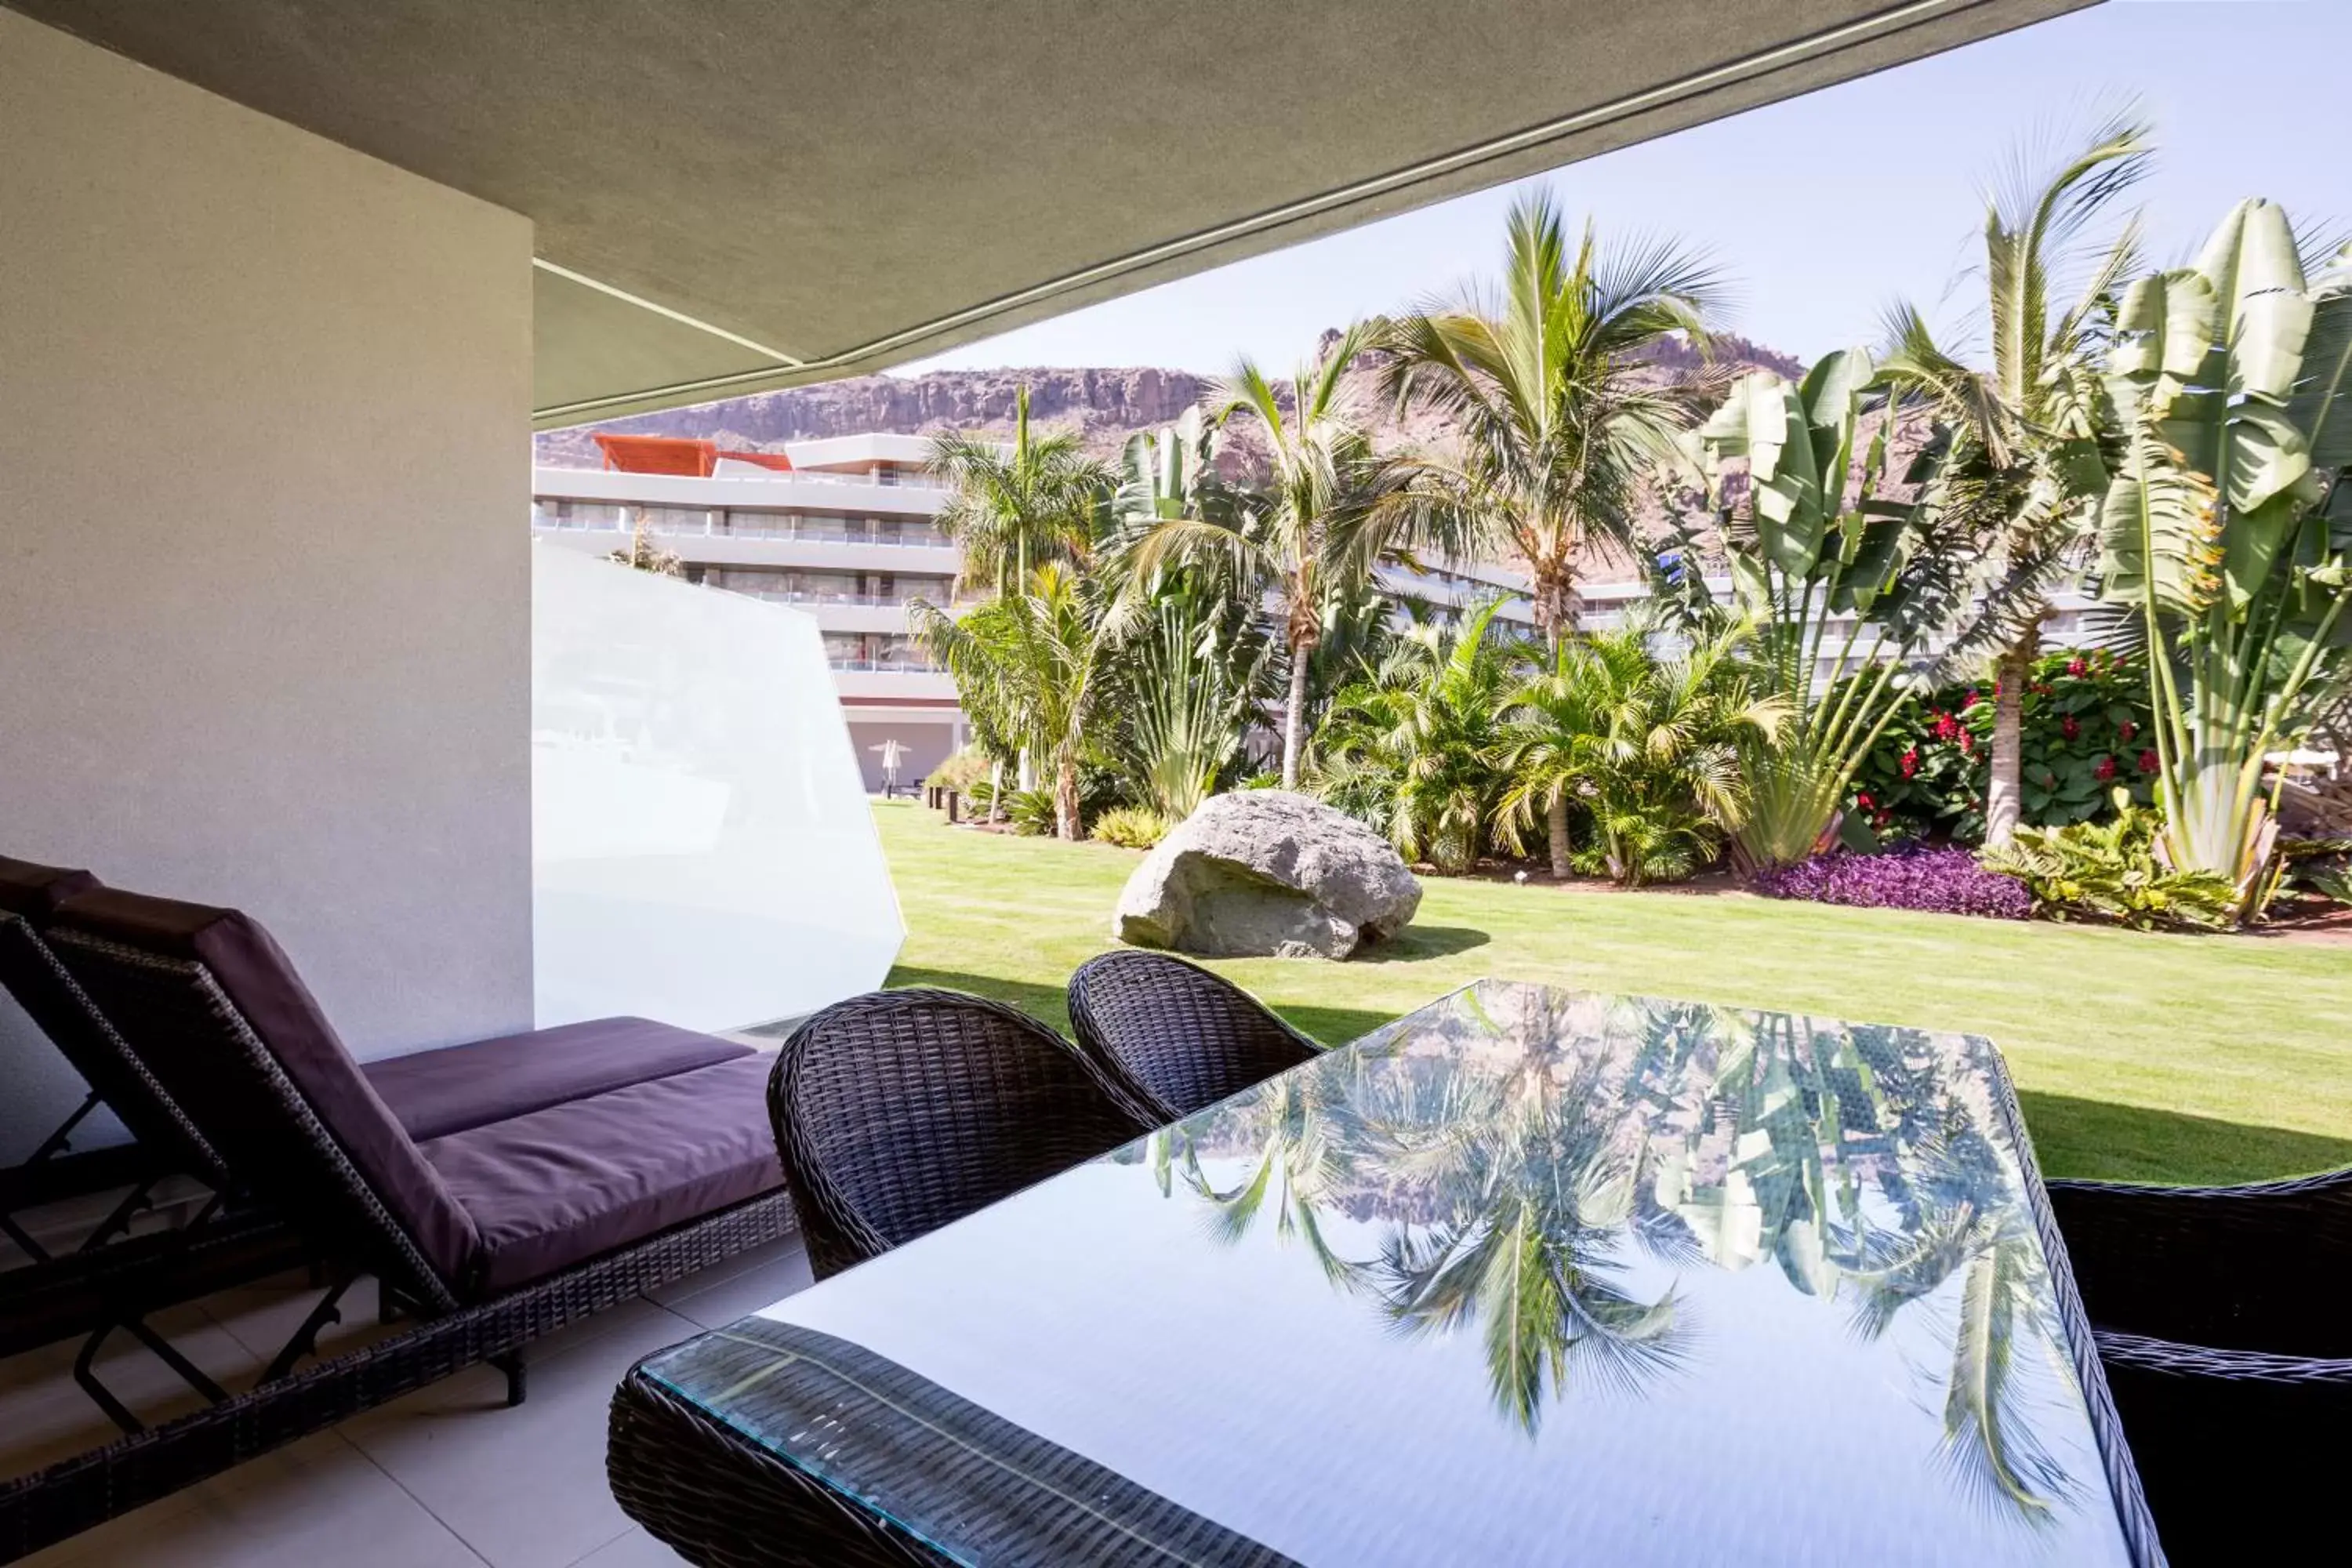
1312	534
1032	663
1412	746
1562	416
1190	683
1652	745
1015	508
2025	472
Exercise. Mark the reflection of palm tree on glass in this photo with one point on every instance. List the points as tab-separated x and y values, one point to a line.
1289	1124
1807	1119
1533	1214
1963	1228
1767	1166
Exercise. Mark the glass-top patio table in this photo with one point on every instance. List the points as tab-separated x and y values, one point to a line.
1530	1276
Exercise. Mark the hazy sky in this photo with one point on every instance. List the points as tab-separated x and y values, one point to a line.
2245	95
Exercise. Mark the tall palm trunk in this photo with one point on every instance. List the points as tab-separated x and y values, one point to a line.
2003	800
995	792
1553	594
1560	601
1065	797
1556	617
1294	715
1556	823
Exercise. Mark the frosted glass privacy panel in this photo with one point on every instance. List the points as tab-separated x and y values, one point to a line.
701	848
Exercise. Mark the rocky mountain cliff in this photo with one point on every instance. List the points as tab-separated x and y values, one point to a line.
1105	405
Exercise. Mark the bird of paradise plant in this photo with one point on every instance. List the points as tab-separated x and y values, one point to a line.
1809	548
2228	528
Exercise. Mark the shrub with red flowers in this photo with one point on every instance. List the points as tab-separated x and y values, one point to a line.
1944	881
1927	776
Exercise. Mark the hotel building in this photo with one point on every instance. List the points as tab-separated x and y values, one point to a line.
841	528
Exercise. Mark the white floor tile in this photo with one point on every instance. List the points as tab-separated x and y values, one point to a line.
525	1487
45	1416
781	1269
319	1502
634	1550
262	1316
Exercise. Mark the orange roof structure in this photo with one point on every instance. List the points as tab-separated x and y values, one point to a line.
678	455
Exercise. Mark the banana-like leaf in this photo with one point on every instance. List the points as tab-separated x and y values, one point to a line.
2157	533
1799	443
2164	328
2322	405
2254	264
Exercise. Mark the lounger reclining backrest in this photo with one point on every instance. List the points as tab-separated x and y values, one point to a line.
29	896
213	1007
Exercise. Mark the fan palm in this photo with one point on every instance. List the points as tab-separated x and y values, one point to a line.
1827	570
1312	536
1562	415
2024	474
1189	684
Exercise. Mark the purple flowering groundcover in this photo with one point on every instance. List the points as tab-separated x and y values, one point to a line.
1944	881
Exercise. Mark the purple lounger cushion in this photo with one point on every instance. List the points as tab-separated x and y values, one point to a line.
260	1139
437	1092
32	891
559	1186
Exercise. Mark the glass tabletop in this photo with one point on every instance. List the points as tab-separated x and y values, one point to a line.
1528	1276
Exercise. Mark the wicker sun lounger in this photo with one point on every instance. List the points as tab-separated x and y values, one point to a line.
514	1195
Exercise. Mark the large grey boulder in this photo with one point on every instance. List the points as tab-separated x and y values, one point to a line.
1265	872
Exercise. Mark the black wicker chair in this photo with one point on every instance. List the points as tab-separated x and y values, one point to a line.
2264	1267
1176	1036
2238	1452
899	1110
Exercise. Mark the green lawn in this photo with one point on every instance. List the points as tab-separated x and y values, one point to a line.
2144	1058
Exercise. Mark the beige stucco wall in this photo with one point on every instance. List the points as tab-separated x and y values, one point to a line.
264	578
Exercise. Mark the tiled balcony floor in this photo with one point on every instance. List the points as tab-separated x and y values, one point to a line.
445	1476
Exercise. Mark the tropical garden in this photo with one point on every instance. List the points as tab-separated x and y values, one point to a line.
2039	624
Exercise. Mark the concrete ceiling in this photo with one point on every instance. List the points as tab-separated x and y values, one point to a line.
737	195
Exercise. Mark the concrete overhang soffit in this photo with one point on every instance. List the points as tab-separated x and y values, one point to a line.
732	196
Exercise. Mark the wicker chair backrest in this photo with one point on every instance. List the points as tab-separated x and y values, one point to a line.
899	1110
1180	1037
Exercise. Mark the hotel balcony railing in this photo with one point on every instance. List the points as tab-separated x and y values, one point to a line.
905	482
675	527
885	665
851	601
823	533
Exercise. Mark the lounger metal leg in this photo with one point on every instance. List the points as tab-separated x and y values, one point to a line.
516	1370
393	1305
305	1339
103	1397
165	1352
126	1211
23	1242
54	1144
85	1372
